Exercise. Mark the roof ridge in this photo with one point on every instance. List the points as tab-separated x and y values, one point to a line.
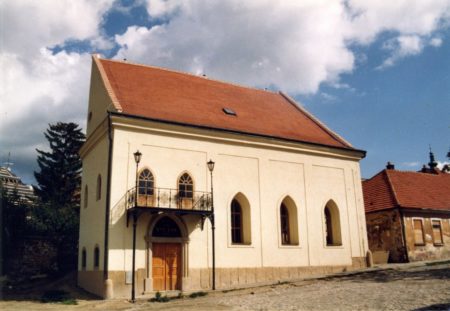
315	120
391	187
190	74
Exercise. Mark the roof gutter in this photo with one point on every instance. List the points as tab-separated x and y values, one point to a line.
362	153
108	200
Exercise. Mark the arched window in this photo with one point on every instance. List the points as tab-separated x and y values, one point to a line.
285	234
236	222
185	186
96	257
332	225
83	259
99	187
288	222
240	220
146	182
166	227
86	194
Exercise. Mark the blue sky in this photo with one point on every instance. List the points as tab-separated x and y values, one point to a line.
376	73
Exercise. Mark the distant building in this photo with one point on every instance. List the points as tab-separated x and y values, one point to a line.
408	213
287	193
13	184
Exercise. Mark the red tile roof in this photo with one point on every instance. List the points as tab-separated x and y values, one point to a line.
167	95
392	188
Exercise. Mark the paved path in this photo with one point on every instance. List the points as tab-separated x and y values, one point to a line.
417	286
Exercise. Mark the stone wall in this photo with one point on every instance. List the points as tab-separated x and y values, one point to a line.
429	250
384	230
226	278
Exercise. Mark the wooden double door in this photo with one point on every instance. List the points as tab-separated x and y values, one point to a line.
166	266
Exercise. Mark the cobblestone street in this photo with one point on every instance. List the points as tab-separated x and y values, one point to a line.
423	286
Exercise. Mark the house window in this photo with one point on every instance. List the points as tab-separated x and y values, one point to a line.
185	186
83	259
437	232
236	222
418	232
146	182
86	193
240	220
284	215
96	257
332	225
99	188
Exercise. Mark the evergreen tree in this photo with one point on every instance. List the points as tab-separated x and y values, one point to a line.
59	178
57	213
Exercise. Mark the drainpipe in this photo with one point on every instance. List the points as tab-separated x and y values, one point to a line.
403	233
108	283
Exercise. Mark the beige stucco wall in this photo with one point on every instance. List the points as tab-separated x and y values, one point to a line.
264	173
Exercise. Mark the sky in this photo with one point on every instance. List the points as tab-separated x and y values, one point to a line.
376	72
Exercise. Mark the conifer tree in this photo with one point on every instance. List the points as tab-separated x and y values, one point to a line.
59	177
57	212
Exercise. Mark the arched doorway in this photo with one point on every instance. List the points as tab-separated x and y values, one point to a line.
166	255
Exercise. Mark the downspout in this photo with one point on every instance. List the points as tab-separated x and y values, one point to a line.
108	283
403	233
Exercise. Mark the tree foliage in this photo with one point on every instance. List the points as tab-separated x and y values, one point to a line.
57	213
59	177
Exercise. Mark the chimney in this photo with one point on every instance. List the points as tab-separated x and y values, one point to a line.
390	166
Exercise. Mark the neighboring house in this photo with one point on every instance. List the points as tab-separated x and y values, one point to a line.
287	192
13	185
408	213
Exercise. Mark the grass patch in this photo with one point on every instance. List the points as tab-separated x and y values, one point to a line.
160	298
58	296
198	294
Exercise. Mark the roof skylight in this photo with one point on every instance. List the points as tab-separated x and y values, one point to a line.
229	111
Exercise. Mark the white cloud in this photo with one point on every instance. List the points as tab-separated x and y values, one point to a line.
401	47
411	164
292	45
35	24
436	42
38	87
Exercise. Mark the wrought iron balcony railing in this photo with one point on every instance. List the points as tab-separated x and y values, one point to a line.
169	198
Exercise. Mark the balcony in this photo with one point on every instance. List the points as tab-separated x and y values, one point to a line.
155	200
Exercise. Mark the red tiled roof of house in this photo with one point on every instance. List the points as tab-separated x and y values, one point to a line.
392	188
167	95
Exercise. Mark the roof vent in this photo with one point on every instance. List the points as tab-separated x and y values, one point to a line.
229	111
390	166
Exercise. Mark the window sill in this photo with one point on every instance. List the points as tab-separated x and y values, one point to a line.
419	244
289	245
334	246
241	245
438	244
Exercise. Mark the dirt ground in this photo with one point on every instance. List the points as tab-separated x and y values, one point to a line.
416	286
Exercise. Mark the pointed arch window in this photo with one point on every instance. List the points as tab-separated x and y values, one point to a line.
236	222
86	193
96	257
185	186
99	187
146	182
288	222
83	259
332	225
285	234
